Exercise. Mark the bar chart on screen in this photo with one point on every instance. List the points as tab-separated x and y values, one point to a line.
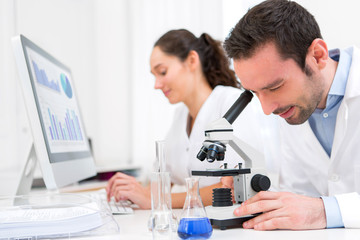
62	125
66	128
61	121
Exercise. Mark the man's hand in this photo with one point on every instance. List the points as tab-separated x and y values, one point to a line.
283	210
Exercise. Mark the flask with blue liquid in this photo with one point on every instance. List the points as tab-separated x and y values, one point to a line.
194	223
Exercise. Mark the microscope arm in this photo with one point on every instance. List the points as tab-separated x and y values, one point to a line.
221	132
247	153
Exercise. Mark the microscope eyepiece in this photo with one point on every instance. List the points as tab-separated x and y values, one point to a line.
238	106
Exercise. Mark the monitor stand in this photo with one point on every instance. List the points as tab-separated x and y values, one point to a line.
27	174
26	178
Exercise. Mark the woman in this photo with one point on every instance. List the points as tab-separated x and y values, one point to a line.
195	72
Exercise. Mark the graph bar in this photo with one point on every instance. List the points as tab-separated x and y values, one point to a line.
73	128
78	127
58	130
52	137
67	129
62	134
52	126
55	129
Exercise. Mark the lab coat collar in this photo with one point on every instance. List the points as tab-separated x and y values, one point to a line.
352	92
353	87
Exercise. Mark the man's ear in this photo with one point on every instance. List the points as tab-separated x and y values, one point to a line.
193	60
318	52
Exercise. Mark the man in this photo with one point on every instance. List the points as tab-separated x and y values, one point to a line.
280	56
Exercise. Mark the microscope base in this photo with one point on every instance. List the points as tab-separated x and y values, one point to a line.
223	217
223	224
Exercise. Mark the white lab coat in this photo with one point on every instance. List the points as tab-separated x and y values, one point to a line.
181	150
307	169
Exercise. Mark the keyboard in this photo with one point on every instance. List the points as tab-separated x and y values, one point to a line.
121	207
116	208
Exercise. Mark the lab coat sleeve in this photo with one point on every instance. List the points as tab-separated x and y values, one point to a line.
349	204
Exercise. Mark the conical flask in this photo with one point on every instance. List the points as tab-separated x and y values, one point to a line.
194	223
162	222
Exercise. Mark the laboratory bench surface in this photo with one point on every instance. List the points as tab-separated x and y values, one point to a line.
135	227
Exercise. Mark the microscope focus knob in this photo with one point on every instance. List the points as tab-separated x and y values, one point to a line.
260	183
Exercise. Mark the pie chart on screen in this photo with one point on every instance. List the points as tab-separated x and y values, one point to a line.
65	84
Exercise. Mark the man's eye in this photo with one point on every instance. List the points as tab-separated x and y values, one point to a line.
163	73
274	89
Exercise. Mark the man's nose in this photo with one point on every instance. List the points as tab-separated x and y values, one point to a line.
268	105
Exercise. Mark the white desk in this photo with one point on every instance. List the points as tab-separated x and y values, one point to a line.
135	227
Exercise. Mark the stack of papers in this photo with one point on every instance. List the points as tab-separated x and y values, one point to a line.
59	220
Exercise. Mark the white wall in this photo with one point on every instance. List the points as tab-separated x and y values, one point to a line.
338	21
8	94
112	118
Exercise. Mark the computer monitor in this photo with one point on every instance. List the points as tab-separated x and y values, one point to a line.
60	144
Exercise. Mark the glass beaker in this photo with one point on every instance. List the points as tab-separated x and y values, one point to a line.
194	223
160	155
162	222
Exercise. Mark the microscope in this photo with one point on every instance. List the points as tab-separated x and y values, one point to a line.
248	179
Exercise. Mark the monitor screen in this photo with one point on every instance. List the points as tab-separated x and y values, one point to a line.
58	109
60	142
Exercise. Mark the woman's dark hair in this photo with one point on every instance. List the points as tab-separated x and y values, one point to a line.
290	26
214	63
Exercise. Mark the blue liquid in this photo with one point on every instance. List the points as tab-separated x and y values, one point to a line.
194	228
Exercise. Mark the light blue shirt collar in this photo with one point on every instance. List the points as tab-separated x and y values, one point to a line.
338	85
323	121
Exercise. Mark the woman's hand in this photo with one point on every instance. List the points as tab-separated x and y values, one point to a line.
125	187
227	182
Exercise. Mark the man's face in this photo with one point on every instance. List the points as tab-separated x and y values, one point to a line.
281	85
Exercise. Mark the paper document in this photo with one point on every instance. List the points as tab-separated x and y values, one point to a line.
28	221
